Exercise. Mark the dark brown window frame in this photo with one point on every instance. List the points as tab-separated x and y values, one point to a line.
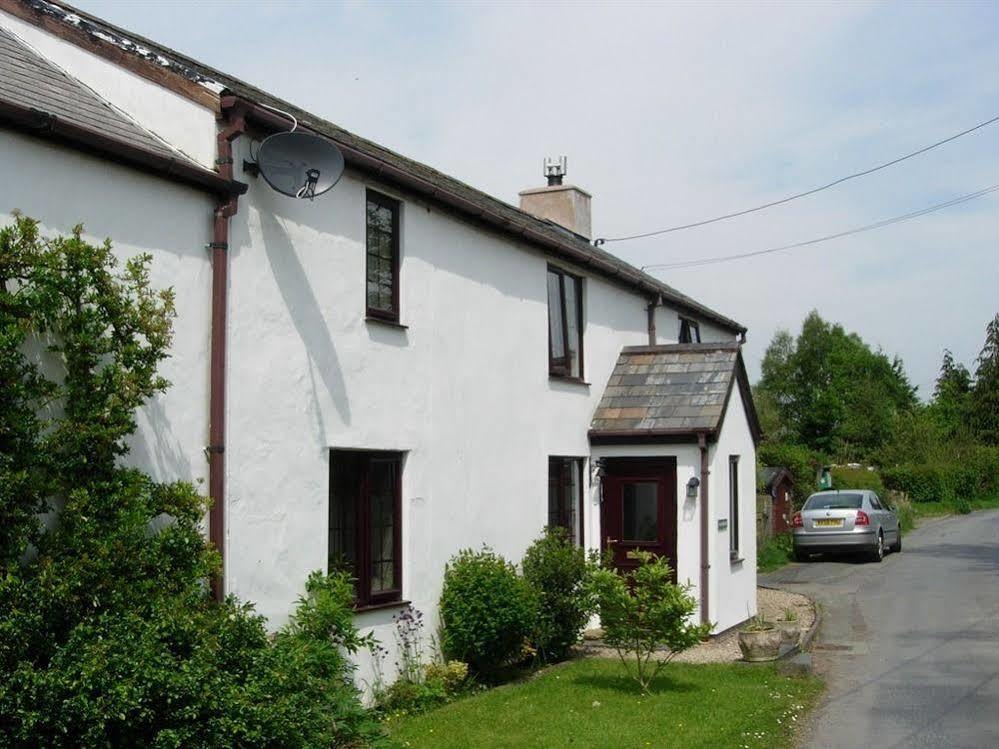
577	464
733	507
380	199
693	330
560	366
364	598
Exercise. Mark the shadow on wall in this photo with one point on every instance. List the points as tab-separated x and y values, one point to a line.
303	307
156	446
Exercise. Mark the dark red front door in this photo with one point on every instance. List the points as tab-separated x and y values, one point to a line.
638	510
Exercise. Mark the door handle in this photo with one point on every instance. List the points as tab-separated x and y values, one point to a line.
611	540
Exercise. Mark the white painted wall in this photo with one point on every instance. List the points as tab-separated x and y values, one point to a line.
733	584
187	126
668	327
61	188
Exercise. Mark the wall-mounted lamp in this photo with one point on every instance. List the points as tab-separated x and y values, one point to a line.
692	485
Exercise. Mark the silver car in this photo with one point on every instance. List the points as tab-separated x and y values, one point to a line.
847	520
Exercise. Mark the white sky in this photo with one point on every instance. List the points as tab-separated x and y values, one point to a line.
671	113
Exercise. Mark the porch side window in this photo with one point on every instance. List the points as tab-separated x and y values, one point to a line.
690	331
733	506
565	496
365	524
382	256
565	324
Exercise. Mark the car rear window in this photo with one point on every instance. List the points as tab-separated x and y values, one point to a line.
834	502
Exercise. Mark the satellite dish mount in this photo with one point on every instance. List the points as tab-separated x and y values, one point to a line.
296	164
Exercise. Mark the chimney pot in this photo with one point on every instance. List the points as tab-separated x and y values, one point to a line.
565	205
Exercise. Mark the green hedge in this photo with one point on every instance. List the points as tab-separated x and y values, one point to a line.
856	478
972	473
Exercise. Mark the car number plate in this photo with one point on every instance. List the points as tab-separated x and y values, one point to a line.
829	522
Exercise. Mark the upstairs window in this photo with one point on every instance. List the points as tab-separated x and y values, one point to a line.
690	332
365	529
733	506
565	324
382	257
565	496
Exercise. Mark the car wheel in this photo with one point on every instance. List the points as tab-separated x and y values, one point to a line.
897	546
878	553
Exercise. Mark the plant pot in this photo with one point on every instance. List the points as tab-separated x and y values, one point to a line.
760	645
789	631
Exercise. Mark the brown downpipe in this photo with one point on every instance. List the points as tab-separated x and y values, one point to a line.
651	311
235	122
702	443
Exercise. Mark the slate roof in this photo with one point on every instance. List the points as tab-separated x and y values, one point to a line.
29	80
511	218
771	474
677	389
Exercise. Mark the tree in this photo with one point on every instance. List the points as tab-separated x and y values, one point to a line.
832	392
950	407
985	394
645	616
108	636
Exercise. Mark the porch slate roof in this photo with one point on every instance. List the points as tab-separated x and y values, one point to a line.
680	389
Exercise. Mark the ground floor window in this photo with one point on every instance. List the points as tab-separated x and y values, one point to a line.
565	496
365	523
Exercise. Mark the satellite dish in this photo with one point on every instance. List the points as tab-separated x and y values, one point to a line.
299	165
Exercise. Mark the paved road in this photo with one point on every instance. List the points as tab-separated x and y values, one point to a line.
910	647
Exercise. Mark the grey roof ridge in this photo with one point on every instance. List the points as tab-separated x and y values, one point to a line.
206	75
665	348
109	104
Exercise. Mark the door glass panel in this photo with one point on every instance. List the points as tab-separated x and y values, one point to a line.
640	511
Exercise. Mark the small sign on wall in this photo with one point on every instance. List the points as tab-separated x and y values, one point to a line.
723	524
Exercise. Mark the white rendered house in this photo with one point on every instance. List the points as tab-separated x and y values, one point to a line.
399	369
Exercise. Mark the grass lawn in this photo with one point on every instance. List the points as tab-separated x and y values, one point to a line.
590	703
936	509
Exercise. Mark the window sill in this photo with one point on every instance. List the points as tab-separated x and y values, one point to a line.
736	560
568	380
388	323
379	606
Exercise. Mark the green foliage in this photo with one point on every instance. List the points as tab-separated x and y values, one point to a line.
950	408
966	472
856	478
642	612
438	684
802	463
487	611
962	506
985	395
832	392
556	569
774	553
107	634
905	511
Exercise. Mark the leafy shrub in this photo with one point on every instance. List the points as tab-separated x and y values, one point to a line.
451	675
962	506
643	612
904	510
922	483
487	611
555	569
856	478
802	463
774	552
108	636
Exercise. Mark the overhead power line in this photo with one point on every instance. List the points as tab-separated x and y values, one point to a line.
814	190
828	237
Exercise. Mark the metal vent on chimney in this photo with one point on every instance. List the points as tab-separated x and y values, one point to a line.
556	170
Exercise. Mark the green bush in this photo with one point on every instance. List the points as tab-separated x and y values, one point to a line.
108	636
856	478
802	463
922	483
555	569
645	616
962	506
773	553
487	611
905	511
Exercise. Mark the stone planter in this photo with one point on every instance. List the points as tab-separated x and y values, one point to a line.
760	645
789	631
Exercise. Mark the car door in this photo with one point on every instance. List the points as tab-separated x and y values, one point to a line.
888	519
